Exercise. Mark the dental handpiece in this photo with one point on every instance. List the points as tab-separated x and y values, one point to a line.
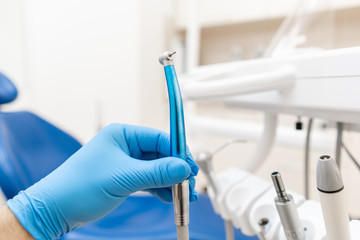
180	191
332	199
285	205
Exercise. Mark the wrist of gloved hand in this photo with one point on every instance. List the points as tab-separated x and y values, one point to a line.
119	160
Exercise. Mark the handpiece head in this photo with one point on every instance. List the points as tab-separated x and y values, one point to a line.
167	58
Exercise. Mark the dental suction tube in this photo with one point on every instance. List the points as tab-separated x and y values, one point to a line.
285	205
332	199
180	191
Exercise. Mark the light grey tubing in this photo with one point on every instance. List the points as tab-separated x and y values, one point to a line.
229	231
261	236
350	155
182	232
227	144
339	127
307	164
262	224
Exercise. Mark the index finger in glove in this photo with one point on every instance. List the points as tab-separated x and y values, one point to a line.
147	143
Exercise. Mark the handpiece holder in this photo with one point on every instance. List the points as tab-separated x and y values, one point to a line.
177	141
333	199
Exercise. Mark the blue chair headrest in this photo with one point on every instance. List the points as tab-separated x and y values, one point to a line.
8	91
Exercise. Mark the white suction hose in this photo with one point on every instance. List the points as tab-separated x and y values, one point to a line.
228	128
265	144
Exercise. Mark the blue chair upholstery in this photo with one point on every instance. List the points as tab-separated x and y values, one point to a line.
30	148
147	218
8	91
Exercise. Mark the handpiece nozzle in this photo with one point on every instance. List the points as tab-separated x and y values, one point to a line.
167	58
171	54
279	186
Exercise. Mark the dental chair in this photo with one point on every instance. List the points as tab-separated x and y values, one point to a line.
30	148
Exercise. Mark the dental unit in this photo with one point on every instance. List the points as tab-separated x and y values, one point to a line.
321	85
289	217
180	192
299	92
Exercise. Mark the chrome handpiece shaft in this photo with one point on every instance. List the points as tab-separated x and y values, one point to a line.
279	186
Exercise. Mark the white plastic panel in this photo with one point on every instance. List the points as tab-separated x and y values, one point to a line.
226	179
334	99
327	85
240	199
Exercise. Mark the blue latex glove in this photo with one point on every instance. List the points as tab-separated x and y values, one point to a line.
119	160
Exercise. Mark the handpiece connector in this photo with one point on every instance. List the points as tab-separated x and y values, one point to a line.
279	187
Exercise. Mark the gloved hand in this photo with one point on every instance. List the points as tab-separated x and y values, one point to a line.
119	160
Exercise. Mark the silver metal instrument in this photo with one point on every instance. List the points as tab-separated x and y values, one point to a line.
285	205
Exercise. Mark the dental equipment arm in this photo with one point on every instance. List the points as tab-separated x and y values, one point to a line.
177	145
332	199
225	86
286	208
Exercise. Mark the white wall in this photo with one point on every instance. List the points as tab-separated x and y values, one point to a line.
81	63
222	12
156	34
11	40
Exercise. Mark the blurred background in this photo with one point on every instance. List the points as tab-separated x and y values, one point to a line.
82	64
